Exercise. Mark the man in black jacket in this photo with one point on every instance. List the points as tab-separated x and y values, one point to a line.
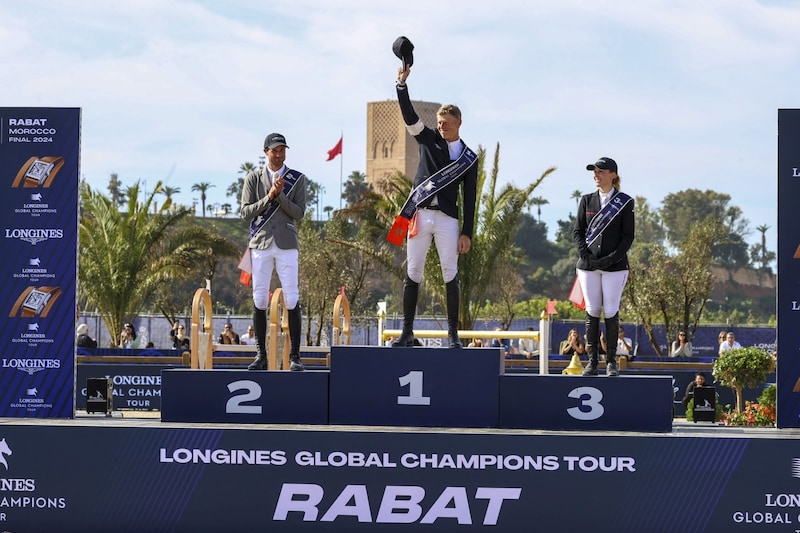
445	163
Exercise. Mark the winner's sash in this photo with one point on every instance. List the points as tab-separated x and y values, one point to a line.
245	265
596	227
426	190
290	180
604	217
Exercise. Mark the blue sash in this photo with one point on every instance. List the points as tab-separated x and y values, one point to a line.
604	217
290	179
427	189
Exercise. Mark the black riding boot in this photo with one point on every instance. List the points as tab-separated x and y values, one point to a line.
592	344
612	334
410	294
260	327
453	302
295	330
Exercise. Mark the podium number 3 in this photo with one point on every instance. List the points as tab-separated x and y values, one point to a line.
414	381
590	399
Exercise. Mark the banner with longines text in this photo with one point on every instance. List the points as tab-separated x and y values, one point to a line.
115	478
39	157
788	400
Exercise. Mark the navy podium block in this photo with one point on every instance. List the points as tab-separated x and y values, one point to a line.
558	402
415	386
239	396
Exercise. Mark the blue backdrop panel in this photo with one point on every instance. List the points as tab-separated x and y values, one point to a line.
168	479
247	397
414	386
788	400
624	403
39	155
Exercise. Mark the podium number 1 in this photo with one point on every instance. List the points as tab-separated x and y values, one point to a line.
414	381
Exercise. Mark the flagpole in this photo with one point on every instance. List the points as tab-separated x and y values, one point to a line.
341	171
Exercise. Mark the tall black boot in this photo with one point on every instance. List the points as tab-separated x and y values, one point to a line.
260	327
453	303
612	337
295	329
592	344
410	295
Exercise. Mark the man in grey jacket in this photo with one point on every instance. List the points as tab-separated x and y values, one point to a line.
273	201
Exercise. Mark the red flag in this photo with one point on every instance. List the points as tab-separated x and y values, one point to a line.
246	265
336	150
576	295
398	232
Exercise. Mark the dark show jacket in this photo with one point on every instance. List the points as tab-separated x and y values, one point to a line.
434	155
610	248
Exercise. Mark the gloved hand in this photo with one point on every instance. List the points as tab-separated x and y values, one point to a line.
602	263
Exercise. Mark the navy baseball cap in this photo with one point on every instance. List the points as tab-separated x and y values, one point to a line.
604	163
273	140
403	48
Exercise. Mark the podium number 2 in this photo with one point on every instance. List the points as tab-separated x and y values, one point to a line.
414	381
252	393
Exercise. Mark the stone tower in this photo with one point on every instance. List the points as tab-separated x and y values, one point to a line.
390	147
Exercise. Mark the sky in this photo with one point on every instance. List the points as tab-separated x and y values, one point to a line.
682	94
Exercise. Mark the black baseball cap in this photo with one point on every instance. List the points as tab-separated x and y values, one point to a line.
403	48
273	140
604	163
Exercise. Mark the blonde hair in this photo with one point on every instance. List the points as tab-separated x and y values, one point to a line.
449	109
616	182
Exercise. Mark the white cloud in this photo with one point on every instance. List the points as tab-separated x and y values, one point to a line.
683	94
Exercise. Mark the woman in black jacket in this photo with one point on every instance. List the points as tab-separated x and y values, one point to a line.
603	233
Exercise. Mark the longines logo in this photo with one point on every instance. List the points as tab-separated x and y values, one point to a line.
795	172
4	451
795	467
34	235
31	366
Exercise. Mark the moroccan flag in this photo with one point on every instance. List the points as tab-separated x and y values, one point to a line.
576	295
336	150
246	266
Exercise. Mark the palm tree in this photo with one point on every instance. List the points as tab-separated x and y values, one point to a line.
763	230
203	186
354	187
235	188
538	201
126	256
577	195
168	192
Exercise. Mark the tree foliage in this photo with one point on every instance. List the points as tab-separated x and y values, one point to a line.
741	368
672	289
127	256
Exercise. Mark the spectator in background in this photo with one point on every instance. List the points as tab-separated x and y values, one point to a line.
681	347
505	344
573	345
699	381
178	335
730	343
127	338
527	347
721	339
228	336
624	344
82	338
476	343
248	338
